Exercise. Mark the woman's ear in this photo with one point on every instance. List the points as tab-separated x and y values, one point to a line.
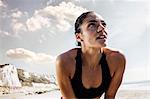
79	37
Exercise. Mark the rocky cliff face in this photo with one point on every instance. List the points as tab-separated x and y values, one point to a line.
13	80
28	78
12	77
9	76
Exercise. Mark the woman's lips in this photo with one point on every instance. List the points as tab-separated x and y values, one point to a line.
101	37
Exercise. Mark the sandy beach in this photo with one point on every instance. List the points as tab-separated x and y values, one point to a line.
126	91
133	94
122	94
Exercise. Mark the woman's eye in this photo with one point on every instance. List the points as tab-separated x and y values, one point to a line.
104	24
92	25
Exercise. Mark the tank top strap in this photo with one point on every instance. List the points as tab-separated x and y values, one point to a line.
78	68
105	68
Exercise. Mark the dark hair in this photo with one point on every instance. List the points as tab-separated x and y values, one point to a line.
79	22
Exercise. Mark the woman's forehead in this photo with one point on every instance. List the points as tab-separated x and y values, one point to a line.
93	16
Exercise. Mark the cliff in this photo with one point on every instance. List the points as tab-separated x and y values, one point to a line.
9	76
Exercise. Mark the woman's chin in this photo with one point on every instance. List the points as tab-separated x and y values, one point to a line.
104	45
101	45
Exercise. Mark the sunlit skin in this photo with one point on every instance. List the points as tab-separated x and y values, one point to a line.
93	42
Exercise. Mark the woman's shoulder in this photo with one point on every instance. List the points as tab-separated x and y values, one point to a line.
112	52
66	60
114	57
68	55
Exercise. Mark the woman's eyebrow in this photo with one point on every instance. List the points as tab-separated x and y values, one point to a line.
92	21
102	21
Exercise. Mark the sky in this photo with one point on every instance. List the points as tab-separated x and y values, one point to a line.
34	32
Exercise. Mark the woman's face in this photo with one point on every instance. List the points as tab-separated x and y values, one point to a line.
93	31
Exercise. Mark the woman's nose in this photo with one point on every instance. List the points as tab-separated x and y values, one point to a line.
100	28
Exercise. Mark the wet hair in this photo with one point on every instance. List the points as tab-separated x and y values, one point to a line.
79	22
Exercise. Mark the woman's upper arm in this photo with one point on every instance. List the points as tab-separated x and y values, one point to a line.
63	78
119	63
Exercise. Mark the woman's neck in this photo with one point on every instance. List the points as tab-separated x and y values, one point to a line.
91	56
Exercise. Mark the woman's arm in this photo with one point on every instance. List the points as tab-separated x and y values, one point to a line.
63	78
118	61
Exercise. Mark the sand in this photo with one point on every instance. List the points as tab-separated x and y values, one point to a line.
127	91
122	94
133	94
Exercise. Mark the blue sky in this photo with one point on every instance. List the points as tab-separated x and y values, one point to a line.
34	32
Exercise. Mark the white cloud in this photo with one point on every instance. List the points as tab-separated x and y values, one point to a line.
15	23
35	23
29	56
17	26
63	25
55	18
17	14
2	4
4	33
42	38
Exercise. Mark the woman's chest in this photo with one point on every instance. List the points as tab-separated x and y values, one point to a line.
91	78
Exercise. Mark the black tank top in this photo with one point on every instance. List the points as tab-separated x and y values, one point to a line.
79	90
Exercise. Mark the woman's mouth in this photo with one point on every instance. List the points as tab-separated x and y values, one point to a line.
101	37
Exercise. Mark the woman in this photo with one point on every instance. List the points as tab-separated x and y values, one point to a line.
93	69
